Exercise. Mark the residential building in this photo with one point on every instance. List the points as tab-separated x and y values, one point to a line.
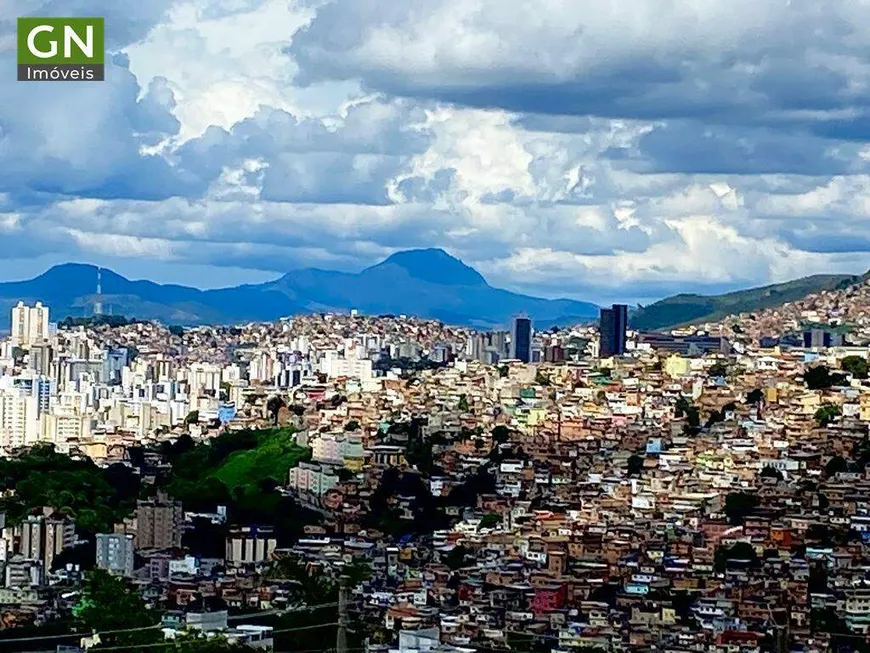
115	553
250	545
159	523
29	324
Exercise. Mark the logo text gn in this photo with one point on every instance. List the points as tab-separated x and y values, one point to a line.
61	49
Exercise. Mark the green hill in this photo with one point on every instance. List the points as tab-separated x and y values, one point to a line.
272	457
688	308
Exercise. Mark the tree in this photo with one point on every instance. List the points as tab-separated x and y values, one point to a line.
176	330
740	551
717	369
108	603
771	472
191	418
490	520
635	465
463	403
738	505
857	366
94	497
352	425
344	475
835	465
755	396
684	408
819	377
826	414
455	558
501	434
715	417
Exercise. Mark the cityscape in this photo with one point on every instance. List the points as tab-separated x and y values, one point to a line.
436	326
587	487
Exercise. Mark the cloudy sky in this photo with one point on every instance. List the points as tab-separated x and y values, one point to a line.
595	149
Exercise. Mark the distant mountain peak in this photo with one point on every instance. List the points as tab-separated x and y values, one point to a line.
428	283
72	273
62	268
435	266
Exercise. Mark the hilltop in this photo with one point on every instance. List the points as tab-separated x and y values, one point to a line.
690	308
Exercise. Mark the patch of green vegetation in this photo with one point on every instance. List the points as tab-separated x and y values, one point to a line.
95	497
687	308
98	320
273	457
239	470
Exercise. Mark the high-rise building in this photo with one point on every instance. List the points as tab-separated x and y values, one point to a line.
115	553
521	339
42	537
40	358
19	417
114	361
612	327
29	324
23	572
158	523
40	387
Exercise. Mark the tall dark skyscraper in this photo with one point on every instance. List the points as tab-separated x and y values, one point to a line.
613	326
521	339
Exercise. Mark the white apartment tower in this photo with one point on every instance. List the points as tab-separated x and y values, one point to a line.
29	324
19	418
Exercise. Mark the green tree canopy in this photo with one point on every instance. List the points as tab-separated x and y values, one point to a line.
827	413
490	520
819	377
94	497
109	603
857	366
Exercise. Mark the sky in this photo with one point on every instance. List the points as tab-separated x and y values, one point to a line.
596	149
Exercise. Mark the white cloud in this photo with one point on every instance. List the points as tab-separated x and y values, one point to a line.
703	144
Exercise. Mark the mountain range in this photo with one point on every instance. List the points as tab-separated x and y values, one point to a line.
427	283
